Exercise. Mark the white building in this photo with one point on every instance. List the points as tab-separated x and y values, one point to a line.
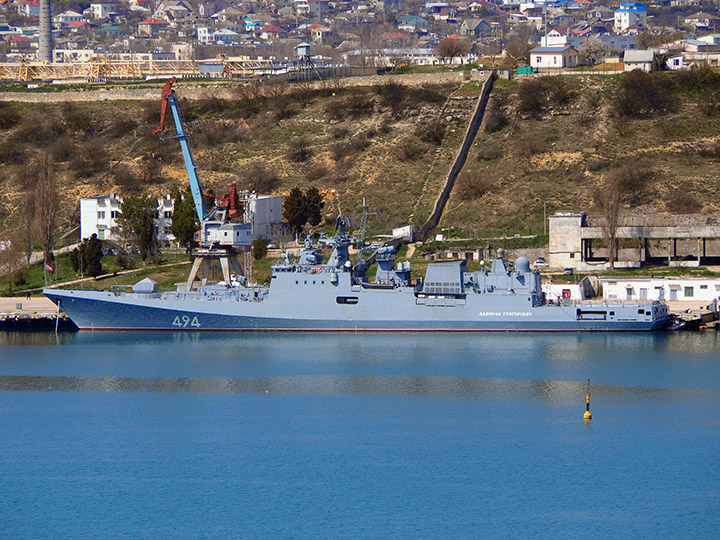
630	14
98	215
101	9
553	57
267	213
648	288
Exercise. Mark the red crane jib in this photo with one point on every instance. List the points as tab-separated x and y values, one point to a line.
166	92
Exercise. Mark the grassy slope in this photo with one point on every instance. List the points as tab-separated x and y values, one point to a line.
535	161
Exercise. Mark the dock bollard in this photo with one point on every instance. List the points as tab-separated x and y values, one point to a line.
587	415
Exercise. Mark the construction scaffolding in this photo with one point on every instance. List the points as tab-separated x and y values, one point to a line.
126	69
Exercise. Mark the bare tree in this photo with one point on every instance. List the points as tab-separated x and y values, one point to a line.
450	48
46	204
282	234
609	200
592	50
10	257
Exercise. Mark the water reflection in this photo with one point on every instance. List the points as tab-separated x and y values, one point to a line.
546	391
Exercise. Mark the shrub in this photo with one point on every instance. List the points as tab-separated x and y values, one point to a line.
90	158
259	249
642	94
339	132
12	151
488	152
62	148
20	277
597	165
126	178
315	171
356	105
125	261
495	118
532	97
260	178
410	148
76	119
682	202
299	151
431	132
473	185
9	116
393	95
429	93
122	125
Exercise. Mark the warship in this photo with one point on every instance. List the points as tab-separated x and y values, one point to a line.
307	293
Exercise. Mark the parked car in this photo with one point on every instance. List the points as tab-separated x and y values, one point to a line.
568	271
540	263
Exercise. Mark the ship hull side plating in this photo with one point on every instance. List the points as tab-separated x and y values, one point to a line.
102	310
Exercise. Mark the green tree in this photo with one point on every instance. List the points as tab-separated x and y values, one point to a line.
93	256
75	260
137	221
184	218
259	249
295	210
314	204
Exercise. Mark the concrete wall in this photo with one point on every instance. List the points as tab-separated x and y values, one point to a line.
564	247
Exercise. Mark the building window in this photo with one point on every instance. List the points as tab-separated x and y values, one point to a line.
168	215
101	215
703	287
689	292
113	214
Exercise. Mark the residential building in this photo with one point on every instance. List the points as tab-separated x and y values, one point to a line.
29	8
630	14
553	57
151	27
101	9
702	21
639	59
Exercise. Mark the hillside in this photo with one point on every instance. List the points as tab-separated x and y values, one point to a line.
547	141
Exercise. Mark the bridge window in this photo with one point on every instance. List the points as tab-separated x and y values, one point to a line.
347	300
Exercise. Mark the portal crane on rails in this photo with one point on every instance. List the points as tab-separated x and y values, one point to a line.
220	238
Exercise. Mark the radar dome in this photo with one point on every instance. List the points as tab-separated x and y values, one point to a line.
522	265
500	253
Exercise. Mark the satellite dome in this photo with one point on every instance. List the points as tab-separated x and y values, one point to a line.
522	265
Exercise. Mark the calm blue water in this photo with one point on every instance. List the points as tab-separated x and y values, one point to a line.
359	436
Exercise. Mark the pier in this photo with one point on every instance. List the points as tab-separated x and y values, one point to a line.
697	315
35	313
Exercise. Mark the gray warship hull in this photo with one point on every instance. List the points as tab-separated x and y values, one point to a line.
333	302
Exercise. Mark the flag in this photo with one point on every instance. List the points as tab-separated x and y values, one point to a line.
48	267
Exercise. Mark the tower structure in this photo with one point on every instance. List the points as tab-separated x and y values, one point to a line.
45	50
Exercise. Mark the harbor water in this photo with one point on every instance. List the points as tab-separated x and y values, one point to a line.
325	436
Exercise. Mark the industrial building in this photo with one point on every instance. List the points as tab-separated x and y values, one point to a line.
578	241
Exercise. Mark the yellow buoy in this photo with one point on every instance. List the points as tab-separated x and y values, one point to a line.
587	415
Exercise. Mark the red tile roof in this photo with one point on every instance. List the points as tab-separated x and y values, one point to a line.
152	21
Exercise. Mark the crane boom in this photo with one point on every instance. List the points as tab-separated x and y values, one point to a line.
169	99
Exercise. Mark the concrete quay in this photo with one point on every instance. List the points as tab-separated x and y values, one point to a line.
35	313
